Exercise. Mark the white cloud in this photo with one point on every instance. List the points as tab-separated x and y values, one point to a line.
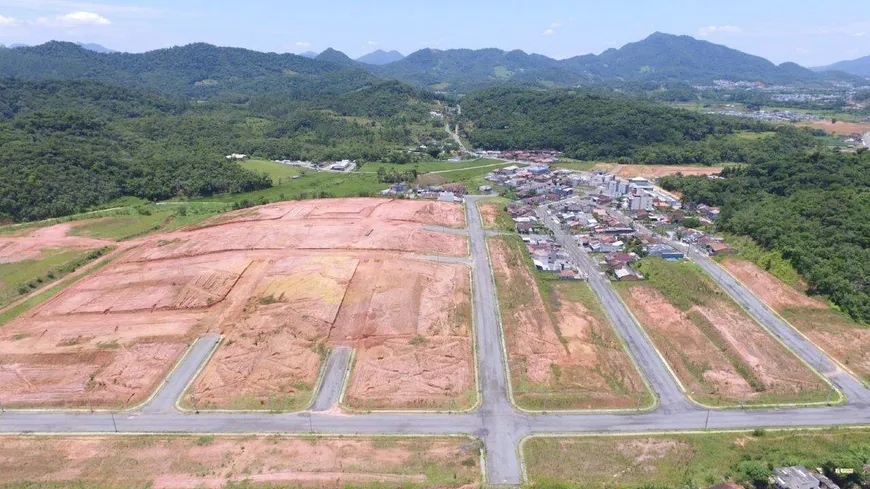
373	43
802	51
303	44
73	19
7	21
860	34
554	26
719	29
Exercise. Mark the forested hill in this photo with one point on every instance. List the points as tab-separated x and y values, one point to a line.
660	58
71	145
195	70
811	207
589	126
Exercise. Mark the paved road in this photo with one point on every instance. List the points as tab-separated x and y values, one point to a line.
663	383
333	380
496	422
177	381
499	426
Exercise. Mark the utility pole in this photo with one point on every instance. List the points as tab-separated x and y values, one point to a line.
113	422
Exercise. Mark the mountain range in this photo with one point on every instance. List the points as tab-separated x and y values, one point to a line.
203	70
381	57
859	67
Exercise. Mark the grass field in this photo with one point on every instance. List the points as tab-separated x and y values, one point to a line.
687	460
310	184
494	215
142	220
572	164
279	172
19	278
13	312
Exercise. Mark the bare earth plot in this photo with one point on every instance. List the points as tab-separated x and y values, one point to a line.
654	171
273	281
562	352
182	462
679	460
720	354
845	340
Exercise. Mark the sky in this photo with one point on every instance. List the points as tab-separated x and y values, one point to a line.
810	33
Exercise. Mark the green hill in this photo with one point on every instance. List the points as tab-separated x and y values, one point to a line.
196	70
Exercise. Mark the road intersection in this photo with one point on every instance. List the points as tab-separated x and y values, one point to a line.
496	422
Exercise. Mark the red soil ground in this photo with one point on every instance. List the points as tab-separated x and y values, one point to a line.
839	336
184	462
840	128
20	248
275	287
586	357
654	171
706	367
489	212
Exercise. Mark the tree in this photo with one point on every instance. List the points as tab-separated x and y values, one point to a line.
753	472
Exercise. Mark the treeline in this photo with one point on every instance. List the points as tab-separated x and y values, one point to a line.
72	145
592	126
811	206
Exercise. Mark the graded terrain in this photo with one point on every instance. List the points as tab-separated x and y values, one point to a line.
845	340
283	284
720	354
562	351
182	462
683	460
654	171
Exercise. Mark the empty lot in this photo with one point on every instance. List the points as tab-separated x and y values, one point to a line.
283	283
182	462
845	340
720	354
562	351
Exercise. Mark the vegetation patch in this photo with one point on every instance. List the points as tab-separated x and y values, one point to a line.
702	460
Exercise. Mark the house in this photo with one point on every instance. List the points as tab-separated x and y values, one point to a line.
798	477
664	251
618	260
626	274
716	248
569	275
524	228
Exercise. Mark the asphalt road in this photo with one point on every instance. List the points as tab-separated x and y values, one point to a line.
333	380
496	422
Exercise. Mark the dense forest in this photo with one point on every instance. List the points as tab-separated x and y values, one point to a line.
196	70
71	145
590	126
812	206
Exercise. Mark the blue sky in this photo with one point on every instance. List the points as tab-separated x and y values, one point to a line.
810	33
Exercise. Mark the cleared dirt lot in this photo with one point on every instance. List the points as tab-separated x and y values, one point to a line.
845	340
183	462
721	355
840	128
31	245
283	283
654	171
562	352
